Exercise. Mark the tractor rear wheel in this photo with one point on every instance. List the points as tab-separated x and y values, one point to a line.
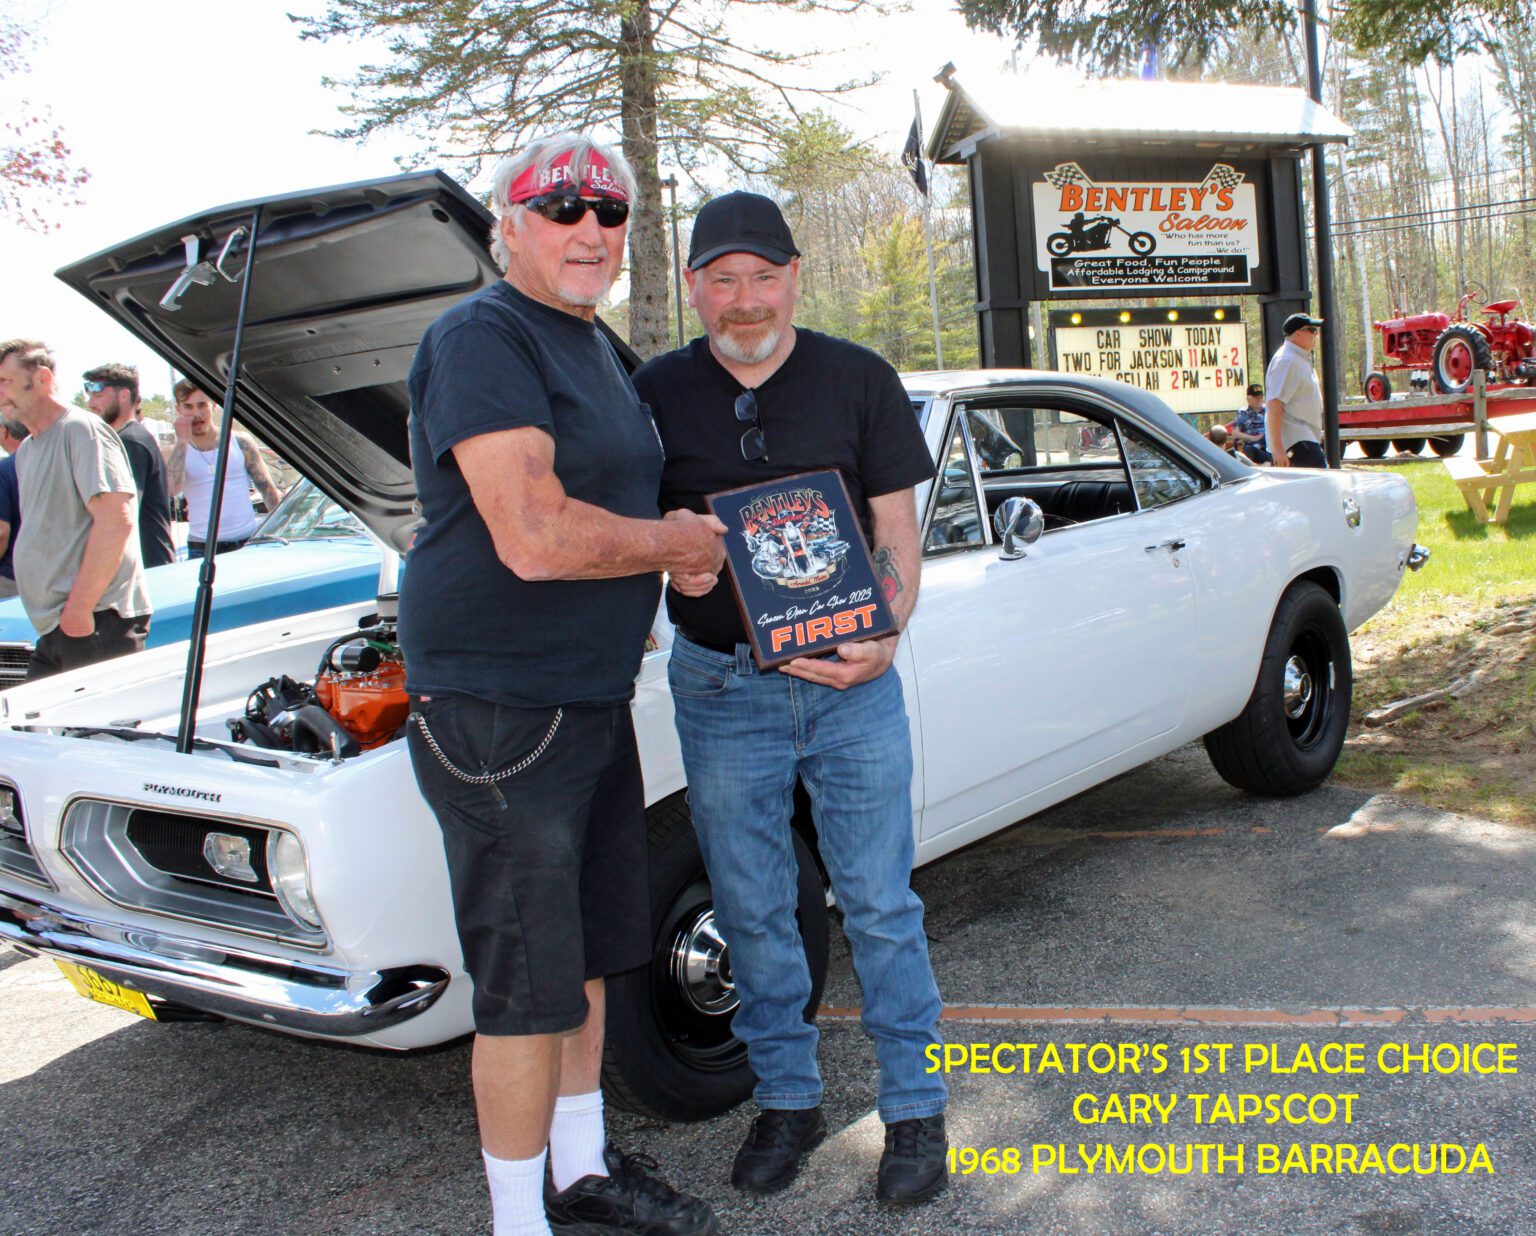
1459	350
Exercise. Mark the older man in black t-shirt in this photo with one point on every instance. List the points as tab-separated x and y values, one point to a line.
523	617
757	399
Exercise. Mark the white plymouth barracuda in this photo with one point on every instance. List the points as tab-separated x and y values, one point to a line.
1100	586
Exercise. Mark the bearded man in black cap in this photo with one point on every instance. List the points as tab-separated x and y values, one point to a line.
753	400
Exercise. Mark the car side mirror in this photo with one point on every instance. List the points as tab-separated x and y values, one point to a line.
1018	522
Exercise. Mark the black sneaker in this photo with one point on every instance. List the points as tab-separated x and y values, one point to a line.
628	1199
913	1167
776	1142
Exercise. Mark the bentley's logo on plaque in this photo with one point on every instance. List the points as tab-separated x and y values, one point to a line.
798	564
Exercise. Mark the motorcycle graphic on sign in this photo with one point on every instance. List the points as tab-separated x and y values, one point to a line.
1093	236
794	542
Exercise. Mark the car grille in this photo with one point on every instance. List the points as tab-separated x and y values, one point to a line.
16	855
164	862
14	659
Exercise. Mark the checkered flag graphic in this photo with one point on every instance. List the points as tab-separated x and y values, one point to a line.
1064	174
1223	177
819	526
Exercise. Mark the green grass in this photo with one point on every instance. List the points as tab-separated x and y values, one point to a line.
1471	563
1471	754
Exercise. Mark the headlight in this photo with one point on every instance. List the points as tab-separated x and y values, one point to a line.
290	879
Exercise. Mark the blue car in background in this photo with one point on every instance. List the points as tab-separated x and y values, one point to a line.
308	554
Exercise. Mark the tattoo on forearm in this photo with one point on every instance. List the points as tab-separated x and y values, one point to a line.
176	468
885	569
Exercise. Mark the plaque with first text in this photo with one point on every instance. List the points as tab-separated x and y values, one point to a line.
802	575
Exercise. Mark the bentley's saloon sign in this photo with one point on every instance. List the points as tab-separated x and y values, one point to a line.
798	563
1152	236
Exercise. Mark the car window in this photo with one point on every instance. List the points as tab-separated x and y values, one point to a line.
306	514
1158	478
956	519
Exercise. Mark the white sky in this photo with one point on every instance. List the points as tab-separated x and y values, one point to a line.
176	106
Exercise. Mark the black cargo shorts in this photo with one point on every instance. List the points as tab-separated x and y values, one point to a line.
543	819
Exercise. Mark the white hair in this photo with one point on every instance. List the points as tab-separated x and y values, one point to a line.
540	155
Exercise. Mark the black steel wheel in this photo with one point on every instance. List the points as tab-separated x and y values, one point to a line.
1459	350
1058	244
1407	446
1447	445
669	1051
1374	448
1288	737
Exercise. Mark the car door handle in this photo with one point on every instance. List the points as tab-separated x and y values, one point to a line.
1172	545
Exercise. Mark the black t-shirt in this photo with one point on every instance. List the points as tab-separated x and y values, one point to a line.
468	624
155	544
831	404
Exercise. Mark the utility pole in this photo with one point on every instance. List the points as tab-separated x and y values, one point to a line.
1328	344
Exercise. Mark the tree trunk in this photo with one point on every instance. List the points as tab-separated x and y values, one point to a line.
648	333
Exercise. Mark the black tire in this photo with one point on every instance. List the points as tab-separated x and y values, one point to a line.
1459	350
669	1052
1288	737
1142	243
1058	244
1374	448
1448	445
1407	446
1378	387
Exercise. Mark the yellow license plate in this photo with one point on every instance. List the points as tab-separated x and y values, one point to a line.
103	990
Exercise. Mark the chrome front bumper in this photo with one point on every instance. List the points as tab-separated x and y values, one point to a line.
264	991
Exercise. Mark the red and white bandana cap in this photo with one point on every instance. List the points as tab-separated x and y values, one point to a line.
597	179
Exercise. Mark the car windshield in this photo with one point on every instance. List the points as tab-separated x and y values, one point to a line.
306	514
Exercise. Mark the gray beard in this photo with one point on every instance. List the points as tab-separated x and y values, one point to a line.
743	354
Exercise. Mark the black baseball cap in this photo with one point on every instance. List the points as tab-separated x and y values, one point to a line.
1296	321
741	223
1255	388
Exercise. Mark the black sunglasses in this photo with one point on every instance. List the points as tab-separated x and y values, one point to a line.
567	209
754	447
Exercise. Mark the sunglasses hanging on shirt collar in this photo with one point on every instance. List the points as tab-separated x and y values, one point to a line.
754	447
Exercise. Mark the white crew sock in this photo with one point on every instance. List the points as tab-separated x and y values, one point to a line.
576	1139
517	1195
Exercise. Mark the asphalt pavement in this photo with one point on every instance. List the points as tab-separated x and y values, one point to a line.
1161	914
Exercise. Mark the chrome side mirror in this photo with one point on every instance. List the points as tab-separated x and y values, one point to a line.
1018	522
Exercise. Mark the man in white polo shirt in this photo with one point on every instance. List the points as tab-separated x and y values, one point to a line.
1294	416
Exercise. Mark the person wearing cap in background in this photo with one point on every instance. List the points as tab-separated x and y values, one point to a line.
1247	430
1294	424
754	399
532	587
112	392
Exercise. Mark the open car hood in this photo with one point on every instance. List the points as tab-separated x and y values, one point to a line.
344	283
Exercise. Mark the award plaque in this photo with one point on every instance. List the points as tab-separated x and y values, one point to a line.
803	578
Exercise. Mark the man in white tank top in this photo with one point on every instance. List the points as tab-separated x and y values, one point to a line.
189	471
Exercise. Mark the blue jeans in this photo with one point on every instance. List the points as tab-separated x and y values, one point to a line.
746	736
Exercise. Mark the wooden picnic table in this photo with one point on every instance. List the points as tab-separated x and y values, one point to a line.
1490	483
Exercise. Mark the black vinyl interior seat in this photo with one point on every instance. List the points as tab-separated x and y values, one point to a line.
1078	502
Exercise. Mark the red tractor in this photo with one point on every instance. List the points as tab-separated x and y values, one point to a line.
1449	349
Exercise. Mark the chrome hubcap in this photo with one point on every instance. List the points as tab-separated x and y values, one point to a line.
1298	688
701	967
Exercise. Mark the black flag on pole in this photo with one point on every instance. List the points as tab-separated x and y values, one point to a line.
912	159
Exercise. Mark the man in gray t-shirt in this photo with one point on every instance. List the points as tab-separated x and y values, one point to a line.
77	556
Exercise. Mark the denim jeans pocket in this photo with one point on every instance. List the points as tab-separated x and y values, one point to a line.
697	680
